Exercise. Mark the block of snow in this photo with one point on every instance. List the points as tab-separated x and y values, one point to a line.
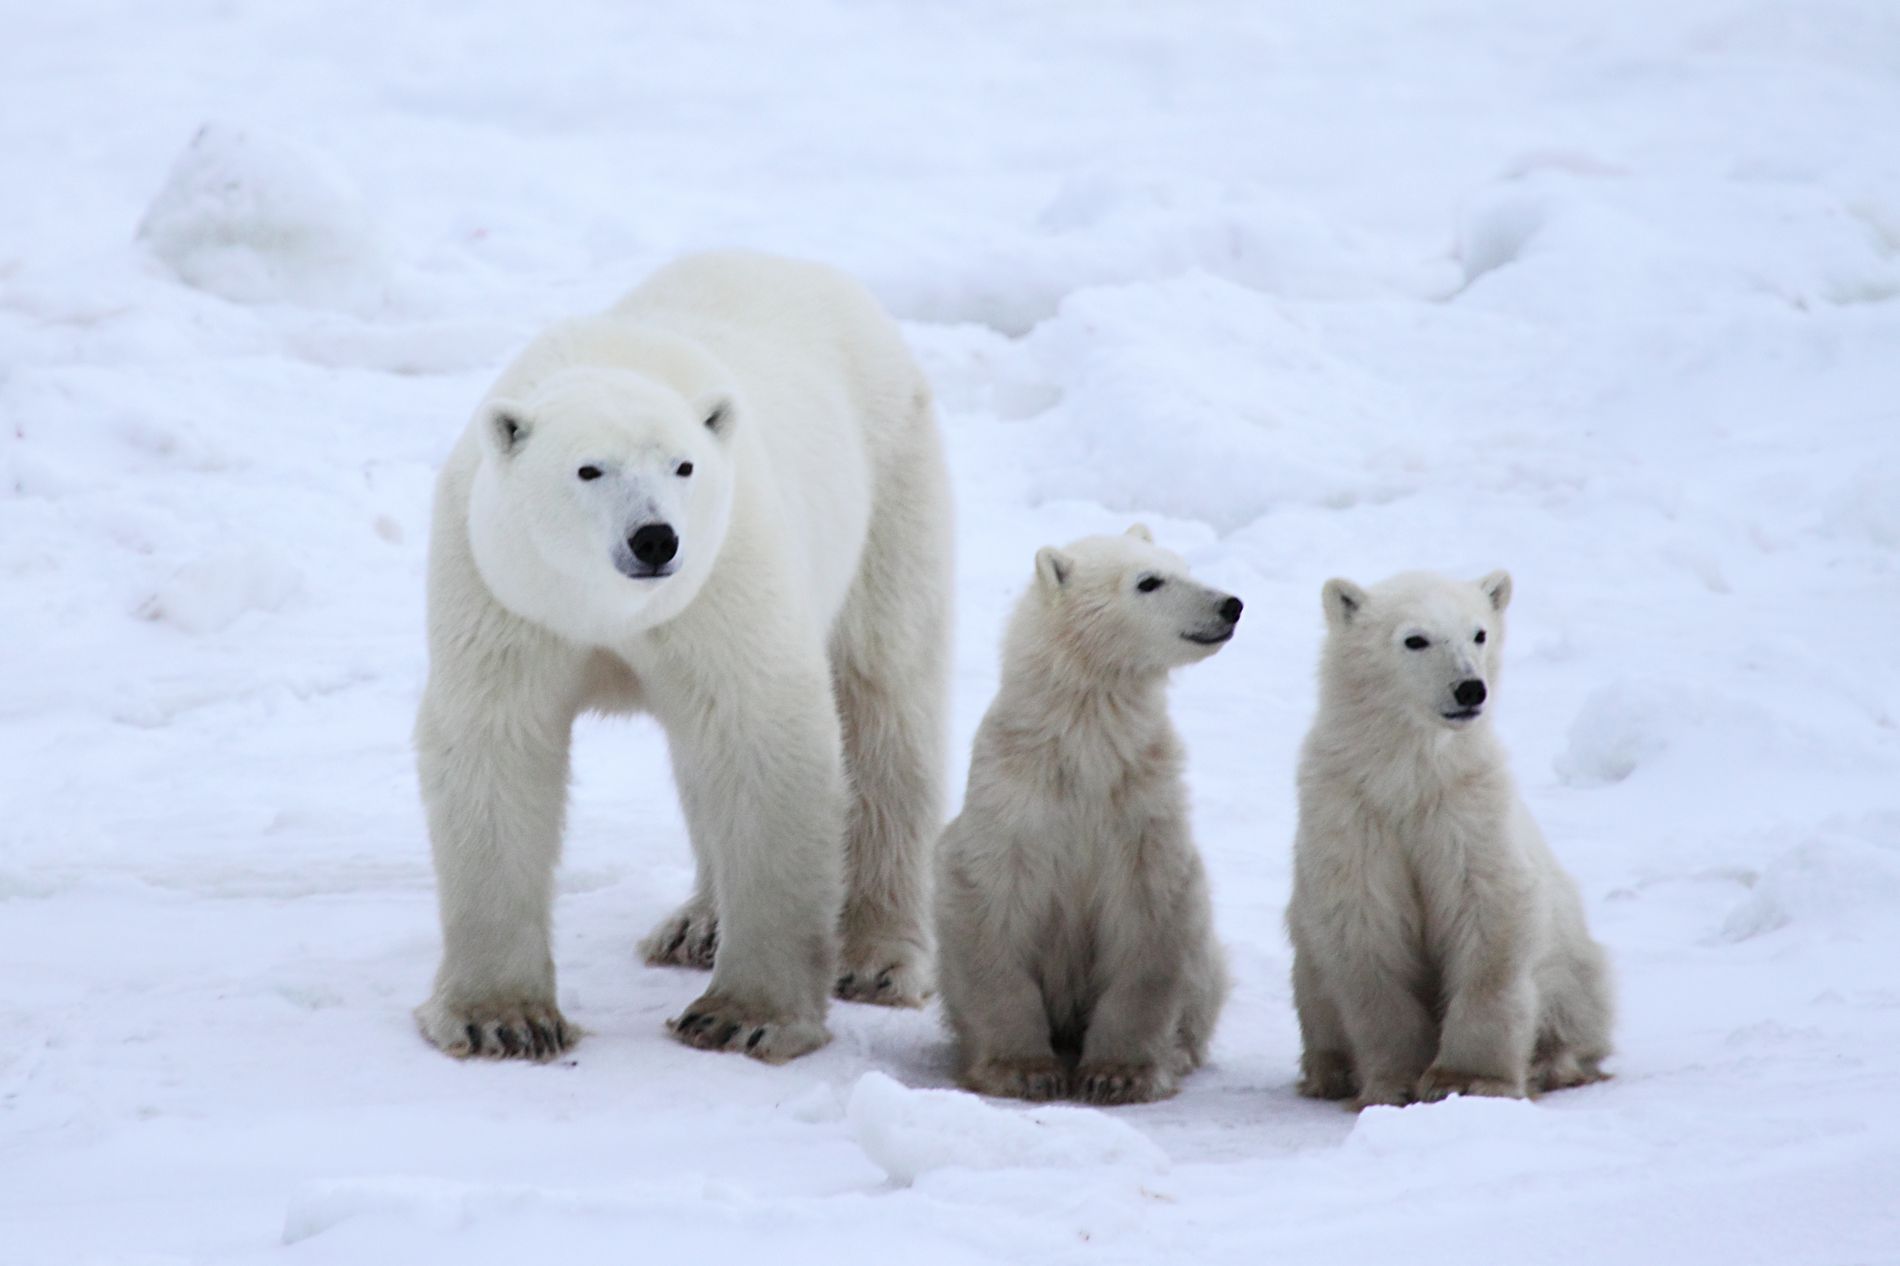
209	593
911	1132
260	219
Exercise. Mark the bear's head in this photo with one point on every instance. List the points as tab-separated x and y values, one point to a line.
1123	605
602	499
1418	645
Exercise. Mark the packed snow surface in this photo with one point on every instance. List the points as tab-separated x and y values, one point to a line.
1607	294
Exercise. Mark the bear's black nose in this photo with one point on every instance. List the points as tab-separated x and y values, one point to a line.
1230	610
1469	693
654	544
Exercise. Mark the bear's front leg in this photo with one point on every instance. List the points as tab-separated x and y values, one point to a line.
1485	1045
760	767
494	763
1126	1051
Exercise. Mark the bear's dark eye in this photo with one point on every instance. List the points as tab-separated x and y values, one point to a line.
686	468
1148	584
1479	639
1416	643
589	472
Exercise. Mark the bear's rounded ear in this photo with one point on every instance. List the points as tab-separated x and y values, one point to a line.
718	416
1497	587
1053	568
1141	533
503	429
1343	601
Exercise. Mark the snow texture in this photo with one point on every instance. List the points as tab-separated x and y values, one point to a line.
1606	294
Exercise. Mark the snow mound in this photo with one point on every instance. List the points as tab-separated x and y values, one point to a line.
318	1207
210	593
1201	399
1830	881
908	1133
1478	1137
1103	228
1638	723
1619	728
261	219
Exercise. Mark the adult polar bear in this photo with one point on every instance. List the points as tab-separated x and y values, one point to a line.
723	502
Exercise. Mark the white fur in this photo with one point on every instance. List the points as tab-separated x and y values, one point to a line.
1078	954
1438	947
794	649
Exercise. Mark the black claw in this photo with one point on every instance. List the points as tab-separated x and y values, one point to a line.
884	979
560	1036
679	939
726	1034
510	1044
686	1021
844	981
542	1039
474	1032
754	1039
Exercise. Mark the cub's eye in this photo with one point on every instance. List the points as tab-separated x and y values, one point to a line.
686	468
1148	584
1416	643
589	472
1479	639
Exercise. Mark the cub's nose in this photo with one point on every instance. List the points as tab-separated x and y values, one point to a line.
654	544
1469	693
1230	610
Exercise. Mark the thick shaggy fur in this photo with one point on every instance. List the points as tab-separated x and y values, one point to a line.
795	648
1438	947
1078	955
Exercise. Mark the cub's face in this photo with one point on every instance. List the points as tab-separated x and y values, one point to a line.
619	490
1428	645
1131	605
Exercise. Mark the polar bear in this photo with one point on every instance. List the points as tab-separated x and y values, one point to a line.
1438	948
1077	948
722	503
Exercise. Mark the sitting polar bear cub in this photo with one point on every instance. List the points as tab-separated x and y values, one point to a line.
1438	948
723	502
1078	954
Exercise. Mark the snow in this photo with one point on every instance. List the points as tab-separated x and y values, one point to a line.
1606	294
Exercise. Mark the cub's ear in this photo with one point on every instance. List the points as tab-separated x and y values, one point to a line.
1141	533
1497	587
503	428
1343	601
1053	568
718	416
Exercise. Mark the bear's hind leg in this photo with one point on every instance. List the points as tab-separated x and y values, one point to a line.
890	660
688	937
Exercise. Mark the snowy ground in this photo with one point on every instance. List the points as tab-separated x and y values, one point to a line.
1608	294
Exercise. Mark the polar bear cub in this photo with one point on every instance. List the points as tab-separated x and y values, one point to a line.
1438	948
722	504
1077	954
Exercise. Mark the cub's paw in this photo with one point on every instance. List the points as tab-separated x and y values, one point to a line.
1386	1092
719	1023
1326	1075
1442	1083
1037	1078
1563	1071
889	973
1108	1084
688	937
516	1028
